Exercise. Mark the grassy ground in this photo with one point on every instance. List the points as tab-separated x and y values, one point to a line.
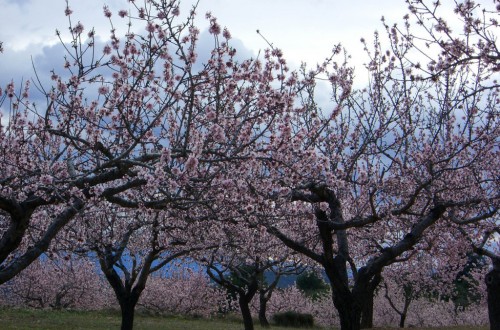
21	319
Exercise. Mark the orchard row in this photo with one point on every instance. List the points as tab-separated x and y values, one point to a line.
144	151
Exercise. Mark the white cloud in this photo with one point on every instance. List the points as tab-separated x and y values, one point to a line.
306	30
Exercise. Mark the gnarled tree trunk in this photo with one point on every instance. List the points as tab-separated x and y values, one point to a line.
367	303
344	300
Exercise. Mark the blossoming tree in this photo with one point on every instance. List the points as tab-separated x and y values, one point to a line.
131	246
145	113
78	285
189	292
408	161
240	261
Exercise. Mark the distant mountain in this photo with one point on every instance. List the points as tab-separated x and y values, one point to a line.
284	282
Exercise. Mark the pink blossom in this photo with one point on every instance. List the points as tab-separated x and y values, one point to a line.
10	90
78	285
188	294
107	50
78	29
68	11
107	12
214	27
165	155
191	163
211	115
226	34
103	90
175	171
46	179
150	27
26	89
217	133
122	13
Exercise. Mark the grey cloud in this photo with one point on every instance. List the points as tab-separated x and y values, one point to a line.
19	66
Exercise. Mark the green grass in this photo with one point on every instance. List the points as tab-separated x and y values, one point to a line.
32	319
439	328
28	319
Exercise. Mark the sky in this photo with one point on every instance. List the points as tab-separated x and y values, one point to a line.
306	30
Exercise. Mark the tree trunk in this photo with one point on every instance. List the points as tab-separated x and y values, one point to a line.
408	300
245	312
492	280
367	313
126	296
343	299
349	313
408	296
365	300
262	311
350	319
402	320
127	307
